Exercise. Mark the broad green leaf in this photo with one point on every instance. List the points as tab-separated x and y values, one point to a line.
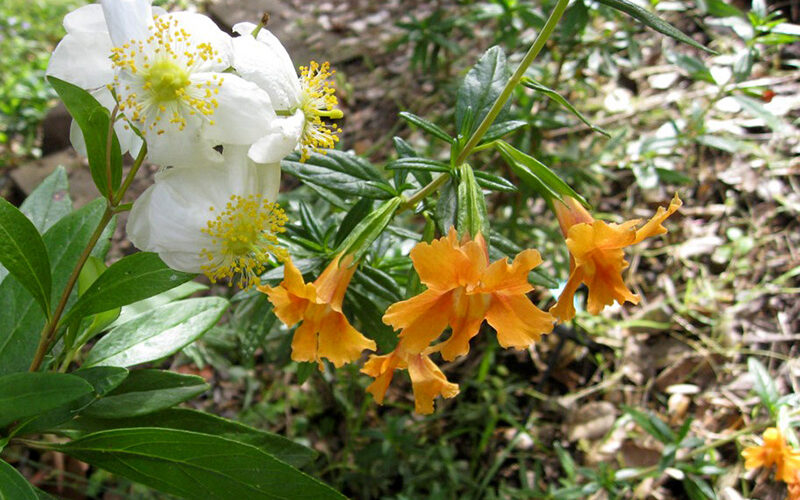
158	333
28	394
472	217
93	119
128	280
146	391
426	125
13	486
102	379
552	94
196	421
481	87
195	465
536	174
356	214
49	202
23	254
649	19
179	292
342	173
369	229
763	384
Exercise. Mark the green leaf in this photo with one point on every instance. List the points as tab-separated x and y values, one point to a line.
147	391
195	465
651	424
179	292
369	229
552	94
756	109
648	18
28	394
694	67
310	223
481	88
378	283
196	421
353	217
23	254
743	65
426	125
447	206
763	384
104	379
93	119
49	202
128	280
698	489
501	129
472	217
494	182
13	486
342	173
719	8
418	164
158	333
536	174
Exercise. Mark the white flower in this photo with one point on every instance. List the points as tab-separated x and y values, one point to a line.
169	74
221	220
301	102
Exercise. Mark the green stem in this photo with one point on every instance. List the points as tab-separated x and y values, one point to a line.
131	174
50	329
499	103
109	142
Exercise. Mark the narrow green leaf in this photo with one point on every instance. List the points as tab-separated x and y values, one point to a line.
447	206
480	89
552	94
648	18
147	391
756	109
378	283
501	129
651	424
28	394
472	217
353	217
157	334
93	119
420	164
494	182
694	67
426	125
342	173
196	421
195	465
13	486
368	230
310	223
763	384
128	280
23	254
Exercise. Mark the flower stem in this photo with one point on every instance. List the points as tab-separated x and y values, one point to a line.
499	103
109	142
131	174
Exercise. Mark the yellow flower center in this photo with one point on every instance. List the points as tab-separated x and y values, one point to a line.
317	102
158	88
244	235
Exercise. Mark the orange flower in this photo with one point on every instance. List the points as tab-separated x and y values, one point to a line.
463	290
325	331
774	452
596	255
427	380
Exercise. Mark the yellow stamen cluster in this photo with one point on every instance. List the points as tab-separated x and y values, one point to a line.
160	67
243	236
318	101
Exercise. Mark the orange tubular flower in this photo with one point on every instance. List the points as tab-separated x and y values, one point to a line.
463	290
596	255
325	331
774	452
427	380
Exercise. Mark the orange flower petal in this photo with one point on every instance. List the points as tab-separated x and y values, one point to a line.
339	342
605	283
333	282
500	277
517	321
304	342
421	318
564	310
439	263
653	227
381	368
466	315
428	381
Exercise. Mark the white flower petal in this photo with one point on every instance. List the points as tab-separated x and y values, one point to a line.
279	141
82	59
244	113
88	18
248	178
202	30
266	63
180	148
127	19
